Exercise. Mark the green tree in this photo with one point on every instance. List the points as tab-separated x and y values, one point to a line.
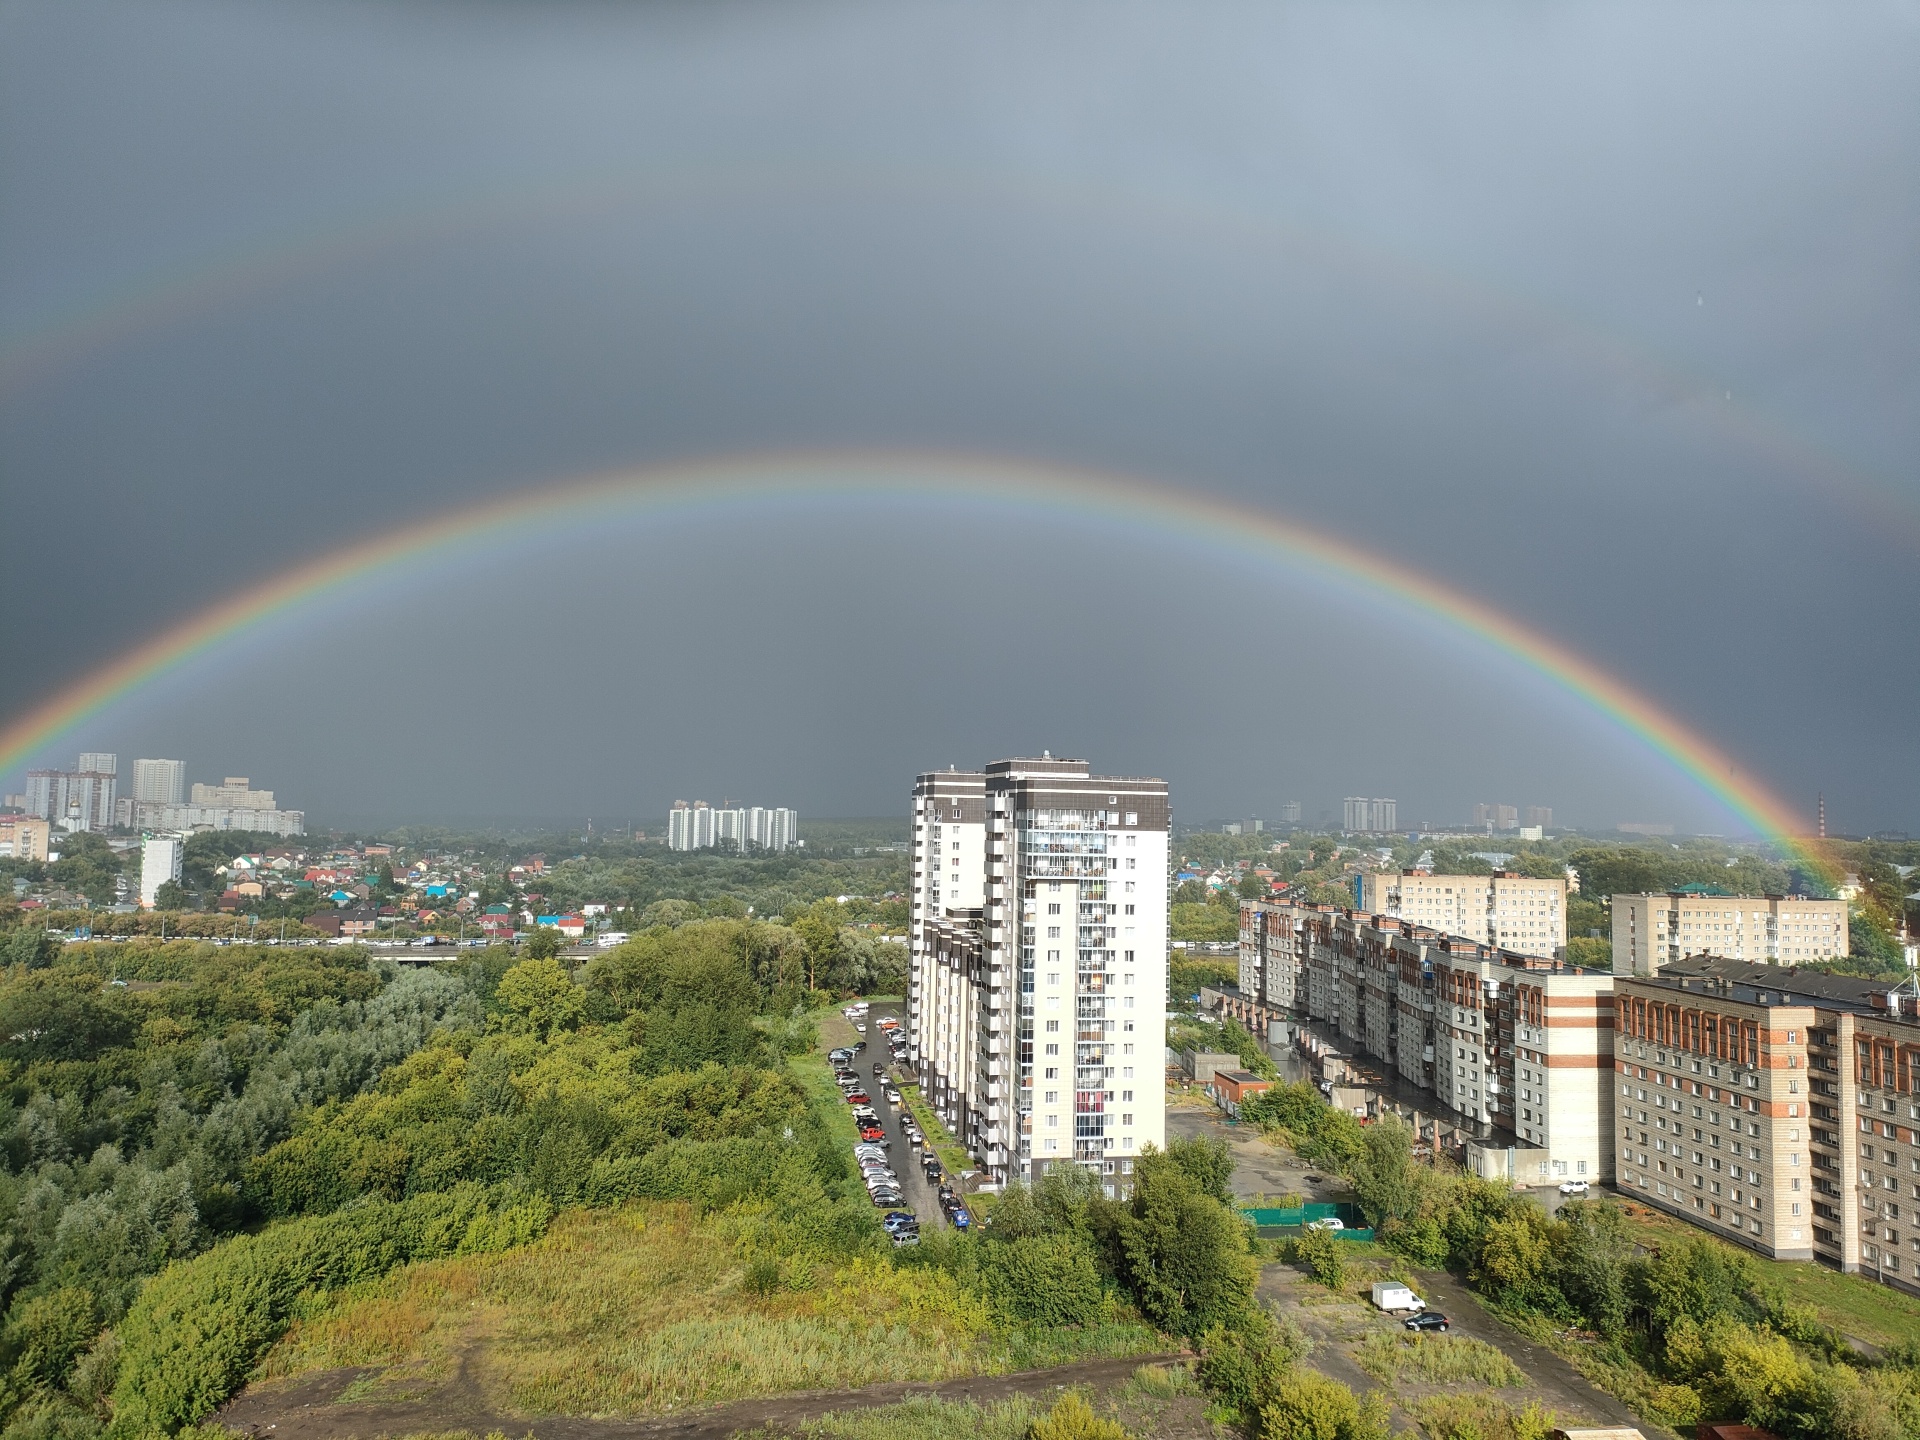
1180	1251
171	895
543	944
539	996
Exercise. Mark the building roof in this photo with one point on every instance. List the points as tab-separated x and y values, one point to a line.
1753	984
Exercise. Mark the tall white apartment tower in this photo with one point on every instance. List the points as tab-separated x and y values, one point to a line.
1039	990
159	782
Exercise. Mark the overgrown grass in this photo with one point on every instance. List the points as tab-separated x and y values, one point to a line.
1472	1415
648	1308
1437	1359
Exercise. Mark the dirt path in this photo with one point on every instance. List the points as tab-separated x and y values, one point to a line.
308	1410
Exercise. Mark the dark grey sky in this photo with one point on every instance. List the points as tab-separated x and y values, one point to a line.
1607	315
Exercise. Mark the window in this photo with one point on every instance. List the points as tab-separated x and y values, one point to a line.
1053	1027
1053	1097
1053	1071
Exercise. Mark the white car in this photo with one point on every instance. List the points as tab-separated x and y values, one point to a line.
1332	1222
1573	1187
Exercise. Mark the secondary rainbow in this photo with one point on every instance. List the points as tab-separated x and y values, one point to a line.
824	477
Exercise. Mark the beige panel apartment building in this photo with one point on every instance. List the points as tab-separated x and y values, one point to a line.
1650	931
1514	1044
1776	1108
1513	912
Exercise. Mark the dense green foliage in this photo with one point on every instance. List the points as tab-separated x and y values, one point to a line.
1687	1325
162	1097
1062	1253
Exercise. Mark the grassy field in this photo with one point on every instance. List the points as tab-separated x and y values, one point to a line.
646	1309
1864	1309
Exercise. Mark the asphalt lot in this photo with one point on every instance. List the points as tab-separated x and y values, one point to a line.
922	1198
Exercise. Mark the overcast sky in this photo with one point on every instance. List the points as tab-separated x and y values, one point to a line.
1608	316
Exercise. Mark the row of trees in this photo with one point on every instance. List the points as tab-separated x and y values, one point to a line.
1688	1326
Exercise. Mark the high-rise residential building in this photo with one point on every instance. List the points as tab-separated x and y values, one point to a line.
700	827
1540	815
78	799
1038	938
1513	912
1371	817
1518	1047
1650	931
690	827
159	782
160	858
1290	813
1777	1108
777	828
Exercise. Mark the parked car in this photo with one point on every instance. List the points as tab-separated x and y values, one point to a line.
894	1218
879	1068
858	1097
884	1198
1573	1187
842	1056
874	1134
1428	1320
959	1218
1332	1222
904	1238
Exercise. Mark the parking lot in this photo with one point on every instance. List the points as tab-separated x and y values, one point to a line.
919	1195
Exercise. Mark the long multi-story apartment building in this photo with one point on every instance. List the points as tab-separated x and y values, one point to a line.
78	799
1776	1107
1038	939
1512	1043
700	826
1512	912
1650	931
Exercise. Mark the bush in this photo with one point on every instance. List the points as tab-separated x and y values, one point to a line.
1045	1279
1307	1406
1073	1419
1319	1253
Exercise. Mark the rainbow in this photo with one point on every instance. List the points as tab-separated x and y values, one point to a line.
866	475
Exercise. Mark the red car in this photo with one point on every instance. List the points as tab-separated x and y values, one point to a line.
858	1097
873	1132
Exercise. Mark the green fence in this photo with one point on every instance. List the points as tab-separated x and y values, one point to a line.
1270	1222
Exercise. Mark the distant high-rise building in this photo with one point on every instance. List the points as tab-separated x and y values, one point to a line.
700	827
160	857
1541	815
1038	936
1290	813
80	799
231	805
1371	817
159	782
1507	817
